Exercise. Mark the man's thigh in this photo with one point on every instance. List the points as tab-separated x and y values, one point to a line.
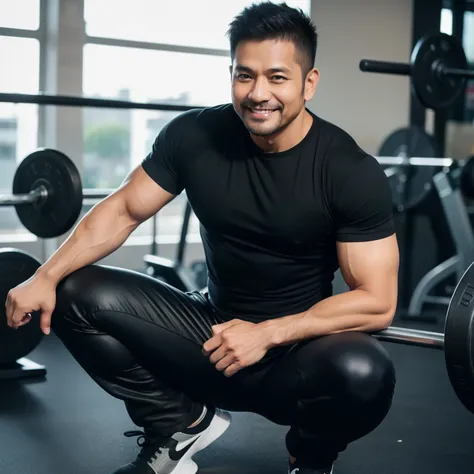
163	328
331	370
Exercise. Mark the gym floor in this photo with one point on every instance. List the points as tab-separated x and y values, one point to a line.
67	424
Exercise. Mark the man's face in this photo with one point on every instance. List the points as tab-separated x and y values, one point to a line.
268	87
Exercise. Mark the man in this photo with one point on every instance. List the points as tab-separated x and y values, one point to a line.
283	198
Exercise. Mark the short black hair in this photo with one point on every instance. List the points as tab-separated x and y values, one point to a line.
268	20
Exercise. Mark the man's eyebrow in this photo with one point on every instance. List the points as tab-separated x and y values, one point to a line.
272	70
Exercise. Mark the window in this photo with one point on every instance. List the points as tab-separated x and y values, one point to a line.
19	58
446	21
468	40
186	23
117	140
23	14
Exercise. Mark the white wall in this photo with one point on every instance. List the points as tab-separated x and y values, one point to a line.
368	106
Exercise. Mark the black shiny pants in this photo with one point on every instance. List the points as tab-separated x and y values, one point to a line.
141	341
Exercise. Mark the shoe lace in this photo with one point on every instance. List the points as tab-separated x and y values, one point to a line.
150	448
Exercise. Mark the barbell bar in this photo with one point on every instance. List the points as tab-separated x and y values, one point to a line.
413	337
438	70
73	101
41	193
48	195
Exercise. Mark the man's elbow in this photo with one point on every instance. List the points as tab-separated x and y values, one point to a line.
385	317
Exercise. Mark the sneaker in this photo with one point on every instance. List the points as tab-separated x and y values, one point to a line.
297	468
174	456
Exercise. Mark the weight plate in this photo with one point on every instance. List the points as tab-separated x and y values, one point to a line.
57	173
16	267
435	91
410	185
459	340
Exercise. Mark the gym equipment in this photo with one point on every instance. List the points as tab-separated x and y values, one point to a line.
457	218
16	266
410	184
49	182
174	272
438	70
72	101
48	194
457	340
460	228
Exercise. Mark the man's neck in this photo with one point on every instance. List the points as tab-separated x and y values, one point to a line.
288	137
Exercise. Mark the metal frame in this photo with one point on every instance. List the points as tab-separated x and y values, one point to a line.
20	33
172	48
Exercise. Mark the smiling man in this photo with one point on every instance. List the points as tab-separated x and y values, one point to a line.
284	199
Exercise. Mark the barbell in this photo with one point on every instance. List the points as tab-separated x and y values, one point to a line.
47	193
438	70
457	341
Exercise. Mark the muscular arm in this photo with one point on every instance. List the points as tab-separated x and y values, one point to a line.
107	225
371	271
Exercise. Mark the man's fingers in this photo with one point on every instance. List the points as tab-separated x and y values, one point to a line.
233	369
217	355
211	345
45	322
218	328
224	363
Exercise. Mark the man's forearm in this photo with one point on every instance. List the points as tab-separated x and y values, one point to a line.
356	310
104	229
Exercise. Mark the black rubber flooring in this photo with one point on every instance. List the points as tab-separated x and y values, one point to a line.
68	425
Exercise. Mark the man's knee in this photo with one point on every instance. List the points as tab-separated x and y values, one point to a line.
357	368
79	294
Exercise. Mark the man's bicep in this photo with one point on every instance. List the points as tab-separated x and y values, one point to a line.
371	266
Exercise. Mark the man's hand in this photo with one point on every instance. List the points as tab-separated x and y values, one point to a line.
235	345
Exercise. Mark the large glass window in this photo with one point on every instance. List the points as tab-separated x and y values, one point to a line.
117	140
23	14
187	23
19	58
446	21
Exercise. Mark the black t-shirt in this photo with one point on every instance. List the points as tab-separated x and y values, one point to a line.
269	222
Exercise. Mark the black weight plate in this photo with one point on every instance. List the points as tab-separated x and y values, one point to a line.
58	174
410	186
459	340
435	91
16	267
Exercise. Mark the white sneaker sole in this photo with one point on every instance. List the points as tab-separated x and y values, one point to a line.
216	429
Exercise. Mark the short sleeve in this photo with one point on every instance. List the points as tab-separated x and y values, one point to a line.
363	208
163	163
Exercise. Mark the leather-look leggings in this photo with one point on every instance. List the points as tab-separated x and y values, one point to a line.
141	341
